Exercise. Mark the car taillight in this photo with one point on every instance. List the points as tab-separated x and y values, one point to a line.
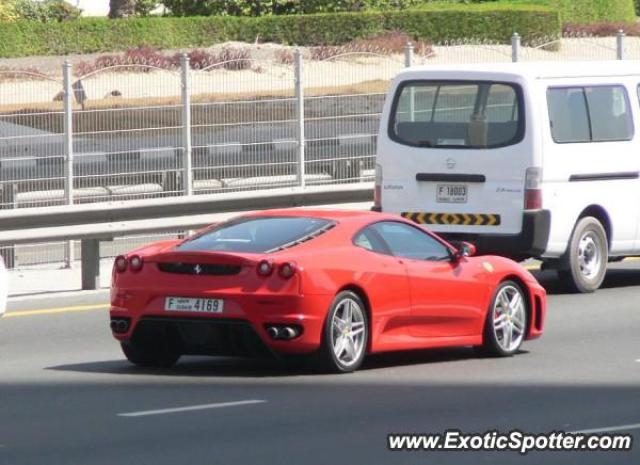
377	191
121	264
287	270
265	268
532	189
135	263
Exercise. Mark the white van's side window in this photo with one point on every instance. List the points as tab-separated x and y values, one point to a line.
589	114
458	115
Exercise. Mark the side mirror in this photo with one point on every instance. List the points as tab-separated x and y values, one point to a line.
467	249
464	249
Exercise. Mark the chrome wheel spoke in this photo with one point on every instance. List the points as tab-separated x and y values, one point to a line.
507	335
357	332
339	323
514	303
341	346
349	315
351	349
500	322
518	322
518	327
504	301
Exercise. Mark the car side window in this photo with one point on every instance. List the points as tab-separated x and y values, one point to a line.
589	114
363	241
407	241
369	240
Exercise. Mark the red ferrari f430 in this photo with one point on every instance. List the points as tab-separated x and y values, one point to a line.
331	285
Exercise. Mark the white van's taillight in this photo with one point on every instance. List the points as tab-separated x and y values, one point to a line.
377	191
533	189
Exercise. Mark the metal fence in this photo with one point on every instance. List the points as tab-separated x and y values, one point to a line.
130	130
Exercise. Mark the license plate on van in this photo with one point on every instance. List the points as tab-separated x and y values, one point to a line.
451	193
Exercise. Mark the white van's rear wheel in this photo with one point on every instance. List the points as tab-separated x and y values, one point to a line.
587	256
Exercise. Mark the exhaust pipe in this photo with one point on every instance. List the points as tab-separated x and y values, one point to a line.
119	326
273	331
288	332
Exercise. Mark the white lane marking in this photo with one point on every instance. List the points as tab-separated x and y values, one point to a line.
608	429
190	408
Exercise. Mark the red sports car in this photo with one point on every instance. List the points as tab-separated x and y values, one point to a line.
332	285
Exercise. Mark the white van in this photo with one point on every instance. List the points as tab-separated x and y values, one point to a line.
523	159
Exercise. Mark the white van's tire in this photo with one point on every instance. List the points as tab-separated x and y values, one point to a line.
586	256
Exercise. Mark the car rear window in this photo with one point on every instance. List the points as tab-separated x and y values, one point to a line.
258	235
457	114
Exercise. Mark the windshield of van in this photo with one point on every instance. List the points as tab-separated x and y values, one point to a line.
457	114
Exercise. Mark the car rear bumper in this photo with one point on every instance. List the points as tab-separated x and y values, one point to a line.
530	242
240	332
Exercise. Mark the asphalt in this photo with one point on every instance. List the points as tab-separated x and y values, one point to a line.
64	385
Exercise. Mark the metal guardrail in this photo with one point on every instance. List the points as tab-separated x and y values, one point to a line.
93	223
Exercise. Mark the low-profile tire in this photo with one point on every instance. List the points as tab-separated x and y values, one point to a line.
345	336
586	257
507	321
150	356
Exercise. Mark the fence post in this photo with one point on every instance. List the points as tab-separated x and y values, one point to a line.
187	181
620	45
68	152
90	272
408	55
515	47
8	200
300	136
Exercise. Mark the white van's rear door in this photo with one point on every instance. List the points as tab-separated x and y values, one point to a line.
456	154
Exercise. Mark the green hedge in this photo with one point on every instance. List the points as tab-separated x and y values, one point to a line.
489	21
590	11
573	11
284	7
434	22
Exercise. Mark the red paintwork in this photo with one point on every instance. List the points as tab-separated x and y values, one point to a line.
412	303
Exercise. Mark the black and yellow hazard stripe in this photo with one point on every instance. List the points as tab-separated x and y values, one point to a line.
463	219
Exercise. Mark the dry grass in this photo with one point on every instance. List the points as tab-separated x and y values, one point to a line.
21	74
390	43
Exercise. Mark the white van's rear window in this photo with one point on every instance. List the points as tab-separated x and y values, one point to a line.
457	114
